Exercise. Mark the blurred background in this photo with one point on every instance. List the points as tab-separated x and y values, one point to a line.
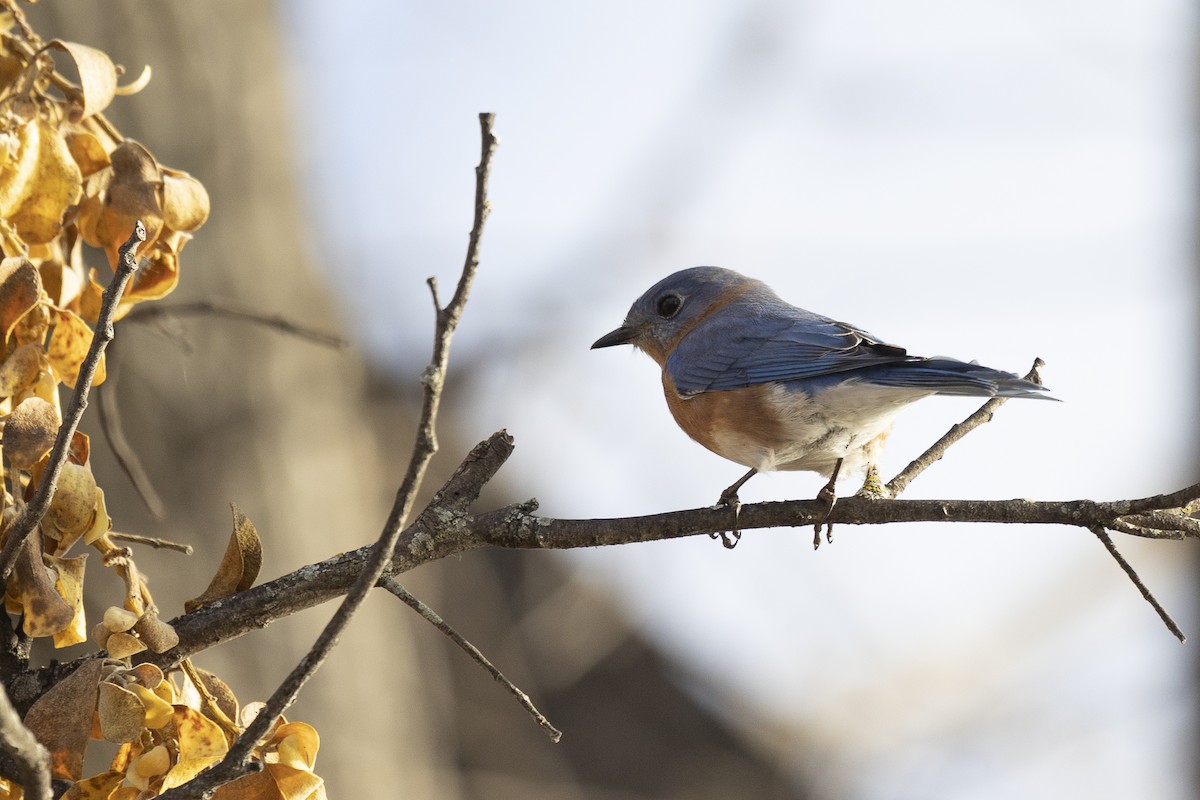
986	180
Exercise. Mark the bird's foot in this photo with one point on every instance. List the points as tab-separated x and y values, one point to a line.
828	496
729	499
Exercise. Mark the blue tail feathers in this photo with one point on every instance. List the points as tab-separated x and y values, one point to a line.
953	377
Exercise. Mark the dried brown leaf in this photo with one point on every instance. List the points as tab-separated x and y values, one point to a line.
159	636
97	75
29	432
201	743
61	719
123	645
69	346
20	370
69	585
158	711
55	185
97	787
45	611
73	507
185	201
20	289
239	567
116	198
18	167
121	713
88	151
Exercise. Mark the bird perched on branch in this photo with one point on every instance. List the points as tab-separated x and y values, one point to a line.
774	387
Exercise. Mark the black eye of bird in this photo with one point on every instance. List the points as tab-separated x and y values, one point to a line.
668	305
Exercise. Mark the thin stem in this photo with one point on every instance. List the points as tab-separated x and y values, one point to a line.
1103	536
29	518
435	619
239	756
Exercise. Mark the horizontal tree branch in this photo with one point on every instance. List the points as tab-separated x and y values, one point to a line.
445	528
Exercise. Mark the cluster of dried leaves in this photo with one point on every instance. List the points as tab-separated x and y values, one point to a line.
69	179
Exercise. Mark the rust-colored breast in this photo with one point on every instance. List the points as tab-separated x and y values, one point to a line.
738	424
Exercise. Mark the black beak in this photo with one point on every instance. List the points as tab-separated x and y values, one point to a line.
621	335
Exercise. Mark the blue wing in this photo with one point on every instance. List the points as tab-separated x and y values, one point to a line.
771	343
776	342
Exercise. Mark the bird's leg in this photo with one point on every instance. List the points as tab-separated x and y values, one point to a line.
872	487
729	498
827	495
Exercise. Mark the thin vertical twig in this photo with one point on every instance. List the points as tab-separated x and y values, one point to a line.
33	513
239	758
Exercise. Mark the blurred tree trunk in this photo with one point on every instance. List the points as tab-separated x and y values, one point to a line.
223	412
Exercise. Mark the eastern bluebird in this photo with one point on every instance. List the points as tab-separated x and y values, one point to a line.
772	386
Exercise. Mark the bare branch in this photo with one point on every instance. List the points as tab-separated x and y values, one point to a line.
33	513
29	757
114	434
938	449
152	541
433	618
239	756
231	310
1103	536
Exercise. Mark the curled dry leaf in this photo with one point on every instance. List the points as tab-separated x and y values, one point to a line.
185	201
158	711
239	568
117	197
97	787
159	636
147	675
121	713
69	585
118	619
88	152
97	75
69	346
201	744
101	523
73	507
18	167
61	719
20	290
29	432
45	611
149	765
55	185
20	370
123	645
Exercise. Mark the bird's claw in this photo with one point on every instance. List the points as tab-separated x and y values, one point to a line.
730	538
828	496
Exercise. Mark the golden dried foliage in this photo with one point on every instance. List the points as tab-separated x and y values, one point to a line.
71	190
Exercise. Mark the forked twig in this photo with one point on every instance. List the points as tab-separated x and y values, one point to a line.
238	760
435	619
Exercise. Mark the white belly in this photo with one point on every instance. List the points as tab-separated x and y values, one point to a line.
847	422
